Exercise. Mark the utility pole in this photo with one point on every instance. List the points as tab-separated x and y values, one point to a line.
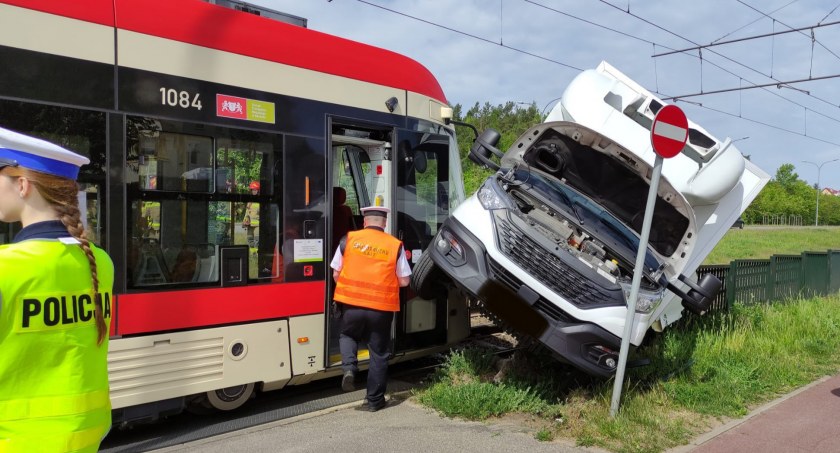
819	168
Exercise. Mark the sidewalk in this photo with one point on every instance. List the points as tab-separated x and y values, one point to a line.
805	420
402	426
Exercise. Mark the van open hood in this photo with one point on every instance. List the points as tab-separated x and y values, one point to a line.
710	180
613	178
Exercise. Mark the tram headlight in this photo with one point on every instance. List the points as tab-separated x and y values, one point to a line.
648	299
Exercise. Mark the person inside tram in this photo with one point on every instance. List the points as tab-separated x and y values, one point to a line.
251	221
53	369
342	216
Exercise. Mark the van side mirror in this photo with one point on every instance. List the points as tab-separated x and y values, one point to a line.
484	147
700	296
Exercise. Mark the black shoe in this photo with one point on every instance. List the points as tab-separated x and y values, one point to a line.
348	381
375	407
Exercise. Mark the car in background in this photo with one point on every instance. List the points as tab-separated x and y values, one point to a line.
548	244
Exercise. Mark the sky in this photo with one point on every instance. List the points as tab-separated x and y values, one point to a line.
528	50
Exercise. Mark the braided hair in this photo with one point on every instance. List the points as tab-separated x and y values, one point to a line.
61	193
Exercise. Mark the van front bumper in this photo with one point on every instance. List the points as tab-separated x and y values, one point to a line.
583	344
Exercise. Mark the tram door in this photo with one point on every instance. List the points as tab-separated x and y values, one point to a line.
411	177
421	206
362	175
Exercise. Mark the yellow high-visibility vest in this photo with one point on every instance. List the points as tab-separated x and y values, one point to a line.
53	375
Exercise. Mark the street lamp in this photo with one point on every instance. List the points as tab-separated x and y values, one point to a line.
819	167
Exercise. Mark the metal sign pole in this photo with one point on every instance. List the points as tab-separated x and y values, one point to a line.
634	289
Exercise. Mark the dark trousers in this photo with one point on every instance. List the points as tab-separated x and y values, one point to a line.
374	326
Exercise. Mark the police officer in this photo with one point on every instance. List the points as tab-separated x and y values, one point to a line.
369	268
55	293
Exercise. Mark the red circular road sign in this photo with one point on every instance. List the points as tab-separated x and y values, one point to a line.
669	131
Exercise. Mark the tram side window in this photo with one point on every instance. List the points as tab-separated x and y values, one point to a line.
175	162
191	194
78	130
250	167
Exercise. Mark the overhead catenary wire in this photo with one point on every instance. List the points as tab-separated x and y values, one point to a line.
715	53
748	38
470	35
786	25
758	19
826	16
740	78
740	64
630	36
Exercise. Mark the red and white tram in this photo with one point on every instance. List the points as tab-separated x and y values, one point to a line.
182	106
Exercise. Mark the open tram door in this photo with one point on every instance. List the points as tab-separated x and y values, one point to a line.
421	204
408	172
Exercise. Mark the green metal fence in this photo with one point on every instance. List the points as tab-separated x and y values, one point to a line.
779	277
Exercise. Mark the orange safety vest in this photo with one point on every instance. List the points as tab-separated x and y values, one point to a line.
368	276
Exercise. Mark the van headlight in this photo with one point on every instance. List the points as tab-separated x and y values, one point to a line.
490	198
648	299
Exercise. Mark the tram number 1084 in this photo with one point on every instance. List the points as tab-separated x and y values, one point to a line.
183	99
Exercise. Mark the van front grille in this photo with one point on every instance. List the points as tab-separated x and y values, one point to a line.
552	271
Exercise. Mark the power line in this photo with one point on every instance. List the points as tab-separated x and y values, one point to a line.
758	19
719	67
776	84
592	23
778	128
826	16
630	36
748	38
727	58
695	56
788	26
470	35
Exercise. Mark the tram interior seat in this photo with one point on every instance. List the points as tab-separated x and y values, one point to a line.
207	269
151	268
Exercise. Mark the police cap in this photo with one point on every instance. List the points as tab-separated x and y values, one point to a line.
376	211
18	150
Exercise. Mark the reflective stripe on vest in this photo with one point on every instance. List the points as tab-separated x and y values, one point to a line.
53	406
368	275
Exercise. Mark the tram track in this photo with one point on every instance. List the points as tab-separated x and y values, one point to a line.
286	403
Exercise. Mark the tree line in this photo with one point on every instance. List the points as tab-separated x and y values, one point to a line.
784	197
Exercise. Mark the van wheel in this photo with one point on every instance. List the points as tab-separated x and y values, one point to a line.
426	277
226	399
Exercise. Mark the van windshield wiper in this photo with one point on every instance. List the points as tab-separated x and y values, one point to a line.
565	197
571	204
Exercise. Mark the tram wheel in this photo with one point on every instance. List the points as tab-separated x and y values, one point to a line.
226	399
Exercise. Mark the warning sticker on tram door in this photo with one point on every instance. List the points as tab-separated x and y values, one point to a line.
244	109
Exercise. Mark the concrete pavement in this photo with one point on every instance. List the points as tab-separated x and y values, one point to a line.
402	426
804	420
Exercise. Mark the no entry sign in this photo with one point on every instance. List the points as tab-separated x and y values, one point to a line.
669	132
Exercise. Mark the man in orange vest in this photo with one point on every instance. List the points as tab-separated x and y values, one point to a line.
369	268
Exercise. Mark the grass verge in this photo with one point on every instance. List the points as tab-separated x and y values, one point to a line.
761	243
702	372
